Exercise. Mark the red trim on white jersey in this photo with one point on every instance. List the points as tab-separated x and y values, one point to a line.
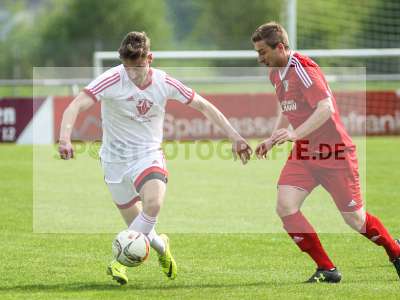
184	91
104	80
129	204
149	75
90	94
105	83
301	72
191	98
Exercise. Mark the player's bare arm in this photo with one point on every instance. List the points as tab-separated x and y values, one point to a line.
81	103
322	114
265	146
239	145
281	121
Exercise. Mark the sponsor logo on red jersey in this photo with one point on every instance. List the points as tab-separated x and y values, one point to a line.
288	105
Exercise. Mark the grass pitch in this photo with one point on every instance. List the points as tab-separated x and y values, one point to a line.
232	264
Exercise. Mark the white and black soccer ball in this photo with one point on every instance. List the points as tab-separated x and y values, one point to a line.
130	248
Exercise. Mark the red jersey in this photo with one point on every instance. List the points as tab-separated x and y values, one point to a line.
299	87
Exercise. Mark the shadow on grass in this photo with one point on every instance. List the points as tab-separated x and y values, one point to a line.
168	286
96	286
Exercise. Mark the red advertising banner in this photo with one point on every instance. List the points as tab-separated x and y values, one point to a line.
253	115
15	115
87	126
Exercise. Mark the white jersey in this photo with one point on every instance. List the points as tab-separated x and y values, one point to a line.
132	116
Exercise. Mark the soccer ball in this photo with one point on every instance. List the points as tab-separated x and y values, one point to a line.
130	248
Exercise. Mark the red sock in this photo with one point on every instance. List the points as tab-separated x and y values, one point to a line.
374	230
305	237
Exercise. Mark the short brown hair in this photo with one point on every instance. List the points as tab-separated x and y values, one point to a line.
134	45
272	34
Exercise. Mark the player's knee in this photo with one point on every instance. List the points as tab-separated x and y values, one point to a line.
152	206
289	200
152	210
354	220
284	208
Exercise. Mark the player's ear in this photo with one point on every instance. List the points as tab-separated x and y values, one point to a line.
150	57
281	47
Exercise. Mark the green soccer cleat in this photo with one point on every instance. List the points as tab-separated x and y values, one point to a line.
167	262
117	272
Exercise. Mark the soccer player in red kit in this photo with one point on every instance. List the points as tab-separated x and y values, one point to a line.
323	152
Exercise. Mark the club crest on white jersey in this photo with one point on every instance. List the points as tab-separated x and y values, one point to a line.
133	116
143	106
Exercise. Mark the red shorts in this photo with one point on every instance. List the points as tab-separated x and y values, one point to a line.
339	177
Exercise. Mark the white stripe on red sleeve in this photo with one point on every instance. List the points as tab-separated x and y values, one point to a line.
301	72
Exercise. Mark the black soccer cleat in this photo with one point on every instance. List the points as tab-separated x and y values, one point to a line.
329	276
396	262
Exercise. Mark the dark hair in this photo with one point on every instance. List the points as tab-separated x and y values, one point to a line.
134	45
272	34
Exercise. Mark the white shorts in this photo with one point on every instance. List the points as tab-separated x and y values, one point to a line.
124	180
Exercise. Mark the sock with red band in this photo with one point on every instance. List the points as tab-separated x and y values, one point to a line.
145	224
376	232
305	237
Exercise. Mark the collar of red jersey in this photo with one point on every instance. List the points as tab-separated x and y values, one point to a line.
285	70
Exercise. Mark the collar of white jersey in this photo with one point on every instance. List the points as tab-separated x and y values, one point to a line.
150	74
285	70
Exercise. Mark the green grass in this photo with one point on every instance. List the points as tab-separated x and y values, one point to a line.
232	265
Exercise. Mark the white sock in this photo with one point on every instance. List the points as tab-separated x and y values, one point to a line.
143	223
156	242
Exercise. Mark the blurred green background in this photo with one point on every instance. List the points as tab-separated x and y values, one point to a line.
64	33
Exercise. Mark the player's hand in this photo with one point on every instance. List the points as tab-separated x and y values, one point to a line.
65	150
242	150
283	135
263	148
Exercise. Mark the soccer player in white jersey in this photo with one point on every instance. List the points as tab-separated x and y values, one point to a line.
133	97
